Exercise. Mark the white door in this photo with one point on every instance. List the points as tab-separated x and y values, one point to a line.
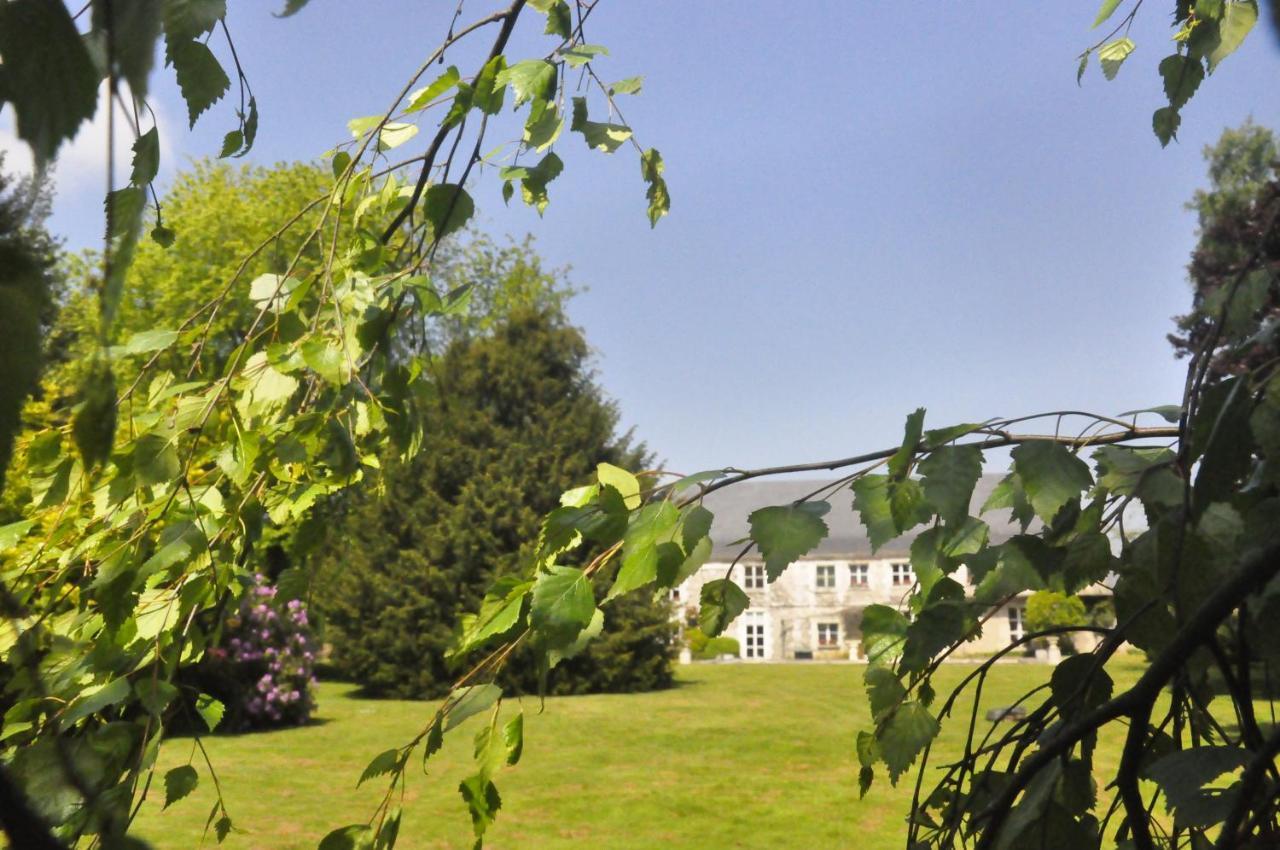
753	631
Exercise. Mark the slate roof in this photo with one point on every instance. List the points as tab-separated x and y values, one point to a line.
848	537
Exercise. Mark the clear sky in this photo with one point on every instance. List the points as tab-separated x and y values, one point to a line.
876	206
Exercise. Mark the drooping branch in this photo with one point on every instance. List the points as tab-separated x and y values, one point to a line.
1252	574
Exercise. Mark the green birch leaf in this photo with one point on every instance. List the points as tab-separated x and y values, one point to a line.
210	711
49	76
189	19
291	7
145	342
581	54
949	474
383	764
1112	55
559	19
884	690
1165	122
906	733
1051	476
470	701
627	485
513	738
786	532
651	169
146	158
231	142
720	603
900	464
631	85
357	836
1238	18
113	692
155	460
562	604
648	527
425	96
871	501
487	93
530	79
178	783
1182	75
884	631
448	208
1108	9
200	77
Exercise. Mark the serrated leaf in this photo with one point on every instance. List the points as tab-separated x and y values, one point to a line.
144	342
487	93
559	18
1108	9
1182	75
291	7
581	54
113	692
49	76
1238	18
1051	476
530	79
357	836
562	604
906	733
394	134
178	783
447	208
720	603
627	485
210	711
648	527
1182	774
200	76
786	532
162	236
631	85
324	357
949	474
188	19
871	501
231	142
470	701
884	631
155	694
900	464
382	764
1165	122
1112	55
155	460
1078	684
513	738
146	158
884	689
651	169
425	96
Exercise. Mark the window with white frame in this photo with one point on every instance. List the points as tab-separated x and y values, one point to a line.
753	576
824	577
902	574
828	635
1017	622
859	575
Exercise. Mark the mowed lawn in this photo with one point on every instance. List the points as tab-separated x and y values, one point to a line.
736	756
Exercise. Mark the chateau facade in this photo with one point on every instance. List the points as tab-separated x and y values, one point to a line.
814	610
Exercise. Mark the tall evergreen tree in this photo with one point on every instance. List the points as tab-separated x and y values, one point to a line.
517	419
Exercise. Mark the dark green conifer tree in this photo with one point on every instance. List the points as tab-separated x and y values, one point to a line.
517	418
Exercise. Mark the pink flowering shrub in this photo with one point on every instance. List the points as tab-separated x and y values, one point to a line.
264	668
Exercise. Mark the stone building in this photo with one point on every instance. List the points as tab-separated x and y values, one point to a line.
814	610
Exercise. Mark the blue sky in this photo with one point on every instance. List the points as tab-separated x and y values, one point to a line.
875	206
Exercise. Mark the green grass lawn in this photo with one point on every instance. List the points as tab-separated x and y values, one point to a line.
737	756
